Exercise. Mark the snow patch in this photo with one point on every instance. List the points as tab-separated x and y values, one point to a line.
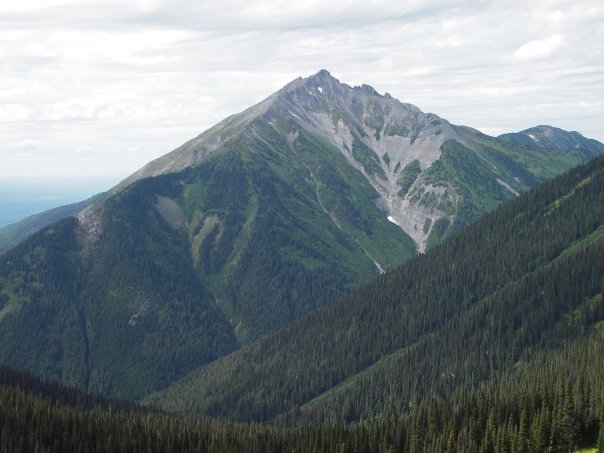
320	90
378	267
293	114
533	137
391	219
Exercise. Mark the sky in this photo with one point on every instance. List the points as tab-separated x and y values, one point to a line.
94	89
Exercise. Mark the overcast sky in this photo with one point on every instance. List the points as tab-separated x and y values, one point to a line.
97	88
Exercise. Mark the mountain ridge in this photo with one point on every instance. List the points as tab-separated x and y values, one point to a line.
380	137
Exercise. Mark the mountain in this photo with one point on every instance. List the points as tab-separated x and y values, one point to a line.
490	306
547	137
550	400
267	216
393	145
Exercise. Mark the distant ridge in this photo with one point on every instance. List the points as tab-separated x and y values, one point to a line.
15	233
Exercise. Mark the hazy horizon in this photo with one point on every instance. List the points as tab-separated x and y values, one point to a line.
22	197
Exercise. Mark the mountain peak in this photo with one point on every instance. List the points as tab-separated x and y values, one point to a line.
324	77
323	74
378	136
369	90
390	143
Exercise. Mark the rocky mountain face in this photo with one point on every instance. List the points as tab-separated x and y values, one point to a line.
393	145
388	142
269	215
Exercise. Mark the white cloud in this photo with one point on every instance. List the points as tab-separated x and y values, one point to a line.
135	79
538	48
29	5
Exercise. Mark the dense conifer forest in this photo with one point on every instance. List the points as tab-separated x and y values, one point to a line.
525	279
547	406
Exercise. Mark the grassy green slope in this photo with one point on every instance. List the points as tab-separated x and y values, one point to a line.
480	287
485	172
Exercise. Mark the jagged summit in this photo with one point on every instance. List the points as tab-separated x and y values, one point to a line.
323	75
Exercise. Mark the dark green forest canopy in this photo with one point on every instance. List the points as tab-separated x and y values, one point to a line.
548	404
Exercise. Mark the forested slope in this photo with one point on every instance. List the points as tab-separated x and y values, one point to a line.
270	215
553	403
527	278
177	270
